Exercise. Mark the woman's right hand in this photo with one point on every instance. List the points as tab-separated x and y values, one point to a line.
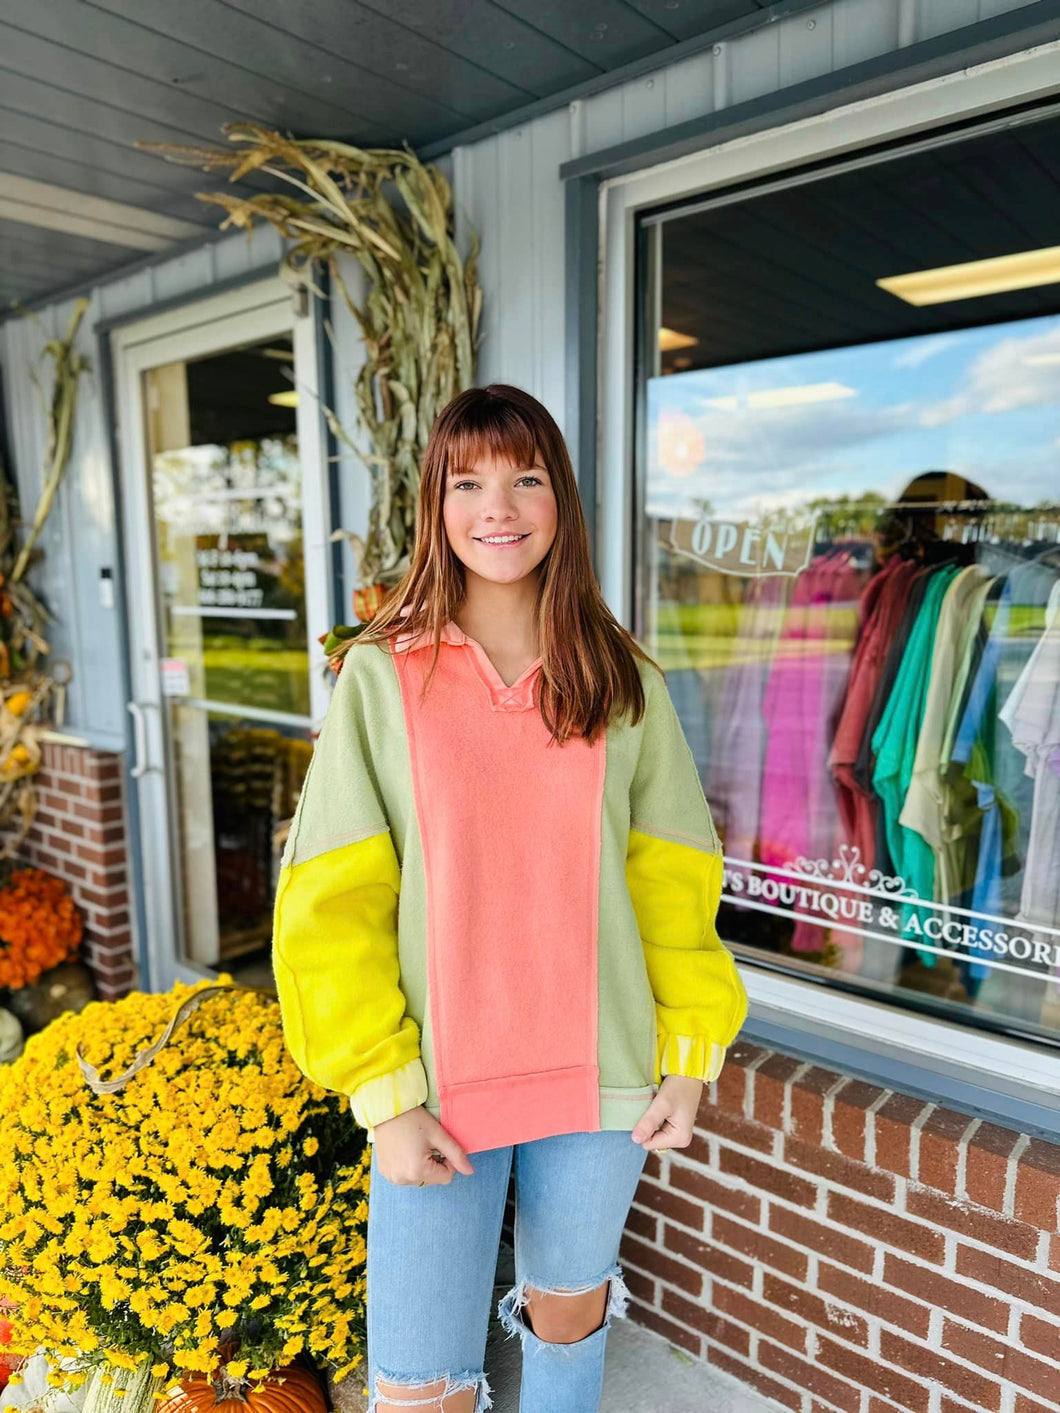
406	1145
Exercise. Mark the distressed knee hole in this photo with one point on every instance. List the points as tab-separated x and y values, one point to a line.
551	1332
437	1394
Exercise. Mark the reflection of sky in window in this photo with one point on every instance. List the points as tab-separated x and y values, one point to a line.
984	403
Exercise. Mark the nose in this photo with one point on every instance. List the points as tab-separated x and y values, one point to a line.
500	505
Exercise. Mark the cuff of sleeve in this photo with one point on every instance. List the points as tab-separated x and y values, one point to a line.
689	1055
388	1095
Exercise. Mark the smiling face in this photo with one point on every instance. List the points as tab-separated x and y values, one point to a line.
500	518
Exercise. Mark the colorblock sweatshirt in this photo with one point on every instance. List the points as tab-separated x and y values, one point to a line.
518	935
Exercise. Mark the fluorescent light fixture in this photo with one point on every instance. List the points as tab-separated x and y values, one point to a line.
284	399
974	278
669	339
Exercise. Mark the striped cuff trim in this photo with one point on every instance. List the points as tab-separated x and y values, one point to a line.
388	1095
690	1055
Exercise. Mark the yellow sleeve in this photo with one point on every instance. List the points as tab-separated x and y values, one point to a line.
674	871
335	932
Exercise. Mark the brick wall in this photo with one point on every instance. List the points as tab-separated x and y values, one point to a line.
842	1247
79	834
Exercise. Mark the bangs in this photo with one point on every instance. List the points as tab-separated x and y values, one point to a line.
491	428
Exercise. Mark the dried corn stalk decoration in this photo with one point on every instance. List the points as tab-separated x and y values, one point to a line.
419	316
27	694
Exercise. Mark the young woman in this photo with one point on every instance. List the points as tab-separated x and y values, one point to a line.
551	994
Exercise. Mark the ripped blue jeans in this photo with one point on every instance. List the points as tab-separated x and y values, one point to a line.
432	1258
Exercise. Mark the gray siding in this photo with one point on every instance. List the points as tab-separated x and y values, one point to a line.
508	187
80	536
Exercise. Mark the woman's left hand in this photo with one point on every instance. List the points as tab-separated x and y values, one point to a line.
668	1120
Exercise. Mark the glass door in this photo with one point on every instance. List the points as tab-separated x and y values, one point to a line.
217	509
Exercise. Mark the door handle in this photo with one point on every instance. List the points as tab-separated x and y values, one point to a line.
140	766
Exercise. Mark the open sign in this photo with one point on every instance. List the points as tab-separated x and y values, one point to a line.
746	547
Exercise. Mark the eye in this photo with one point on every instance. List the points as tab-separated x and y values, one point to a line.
457	484
531	477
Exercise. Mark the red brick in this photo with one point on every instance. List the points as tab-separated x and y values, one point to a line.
676	1334
758	1247
1002	1360
893	1123
973	1222
652	1165
103	859
641	1287
807	1103
874	1299
768	1178
836	1245
984	1393
849	1116
837	1167
911	1395
887	1227
986	1165
809	1377
1038	1184
877	1405
75	829
658	1264
771	1081
706	1322
59	845
952	1405
750	1311
641	1224
746	1373
1020	1281
734	1128
1041	1337
844	1324
953	1296
715	1194
1024	1404
666	1201
940	1148
743	1054
709	1258
118	898
731	1089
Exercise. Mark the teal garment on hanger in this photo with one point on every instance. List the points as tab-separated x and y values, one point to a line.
894	745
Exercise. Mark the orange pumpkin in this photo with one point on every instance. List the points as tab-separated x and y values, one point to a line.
291	1389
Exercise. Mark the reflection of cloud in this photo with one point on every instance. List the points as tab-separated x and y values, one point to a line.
921	349
1002	378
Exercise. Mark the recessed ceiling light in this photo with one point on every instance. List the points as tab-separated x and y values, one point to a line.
974	278
669	339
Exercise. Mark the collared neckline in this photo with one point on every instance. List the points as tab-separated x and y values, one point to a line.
516	696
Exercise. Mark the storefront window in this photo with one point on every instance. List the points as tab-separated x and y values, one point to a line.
849	567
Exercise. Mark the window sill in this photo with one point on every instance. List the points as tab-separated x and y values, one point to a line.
1011	1083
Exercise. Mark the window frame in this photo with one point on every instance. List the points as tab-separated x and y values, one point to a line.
1012	1081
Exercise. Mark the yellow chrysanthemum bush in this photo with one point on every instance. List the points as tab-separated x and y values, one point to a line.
217	1202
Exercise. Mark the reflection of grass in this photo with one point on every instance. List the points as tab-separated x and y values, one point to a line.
274	679
707	636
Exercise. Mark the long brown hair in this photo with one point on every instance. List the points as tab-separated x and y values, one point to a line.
588	660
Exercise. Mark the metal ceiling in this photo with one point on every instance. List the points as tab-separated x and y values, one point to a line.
82	80
795	270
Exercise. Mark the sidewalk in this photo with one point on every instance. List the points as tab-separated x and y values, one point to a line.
644	1374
